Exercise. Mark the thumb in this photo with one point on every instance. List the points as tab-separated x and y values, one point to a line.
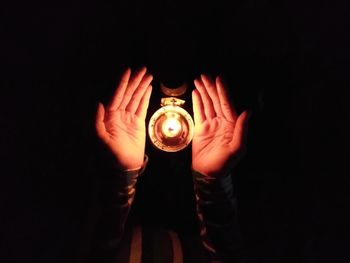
99	123
240	134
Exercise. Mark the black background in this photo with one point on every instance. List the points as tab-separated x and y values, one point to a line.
59	59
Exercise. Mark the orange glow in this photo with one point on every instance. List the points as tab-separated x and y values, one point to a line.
171	127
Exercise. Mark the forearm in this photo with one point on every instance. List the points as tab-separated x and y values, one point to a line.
217	213
115	208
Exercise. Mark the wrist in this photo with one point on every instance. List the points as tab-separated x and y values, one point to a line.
129	177
210	173
135	168
130	163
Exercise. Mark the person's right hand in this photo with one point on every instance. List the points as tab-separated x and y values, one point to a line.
121	126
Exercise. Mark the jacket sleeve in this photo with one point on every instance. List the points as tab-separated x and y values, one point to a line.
217	214
115	207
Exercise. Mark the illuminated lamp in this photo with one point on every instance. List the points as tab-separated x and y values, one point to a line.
171	127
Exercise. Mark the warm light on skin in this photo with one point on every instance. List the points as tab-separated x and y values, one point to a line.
171	127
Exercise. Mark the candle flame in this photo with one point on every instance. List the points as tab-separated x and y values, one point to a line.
171	127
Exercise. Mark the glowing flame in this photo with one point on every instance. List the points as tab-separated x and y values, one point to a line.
171	127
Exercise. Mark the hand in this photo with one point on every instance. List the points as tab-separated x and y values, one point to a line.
122	125
219	140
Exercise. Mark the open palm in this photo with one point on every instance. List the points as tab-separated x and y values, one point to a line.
219	140
122	125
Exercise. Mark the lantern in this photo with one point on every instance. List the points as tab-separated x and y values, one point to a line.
171	127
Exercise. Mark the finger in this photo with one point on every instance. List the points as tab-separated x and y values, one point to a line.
240	133
143	105
198	108
213	94
226	106
120	90
134	82
99	123
207	102
139	92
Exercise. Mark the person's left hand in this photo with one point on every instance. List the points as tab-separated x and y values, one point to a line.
219	140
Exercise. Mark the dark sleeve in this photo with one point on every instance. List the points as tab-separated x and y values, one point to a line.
115	208
217	214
